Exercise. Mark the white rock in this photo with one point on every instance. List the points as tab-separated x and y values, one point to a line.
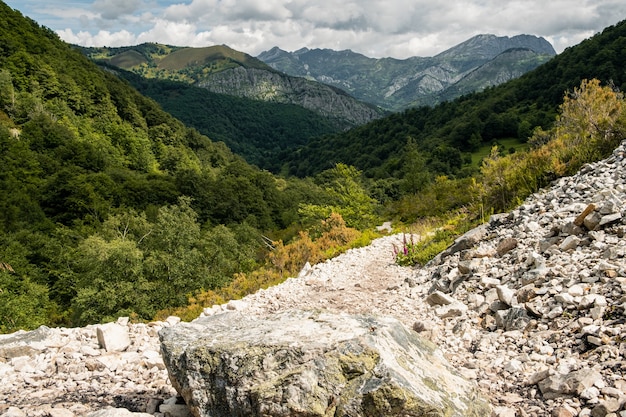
451	310
564	298
505	294
577	290
172	320
113	337
236	305
14	412
569	243
59	412
117	412
513	366
439	298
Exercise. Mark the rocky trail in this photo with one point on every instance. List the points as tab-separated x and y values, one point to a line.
529	306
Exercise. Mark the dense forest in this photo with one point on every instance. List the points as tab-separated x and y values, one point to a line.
113	207
259	131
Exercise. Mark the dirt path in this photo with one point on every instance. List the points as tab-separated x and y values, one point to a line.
360	281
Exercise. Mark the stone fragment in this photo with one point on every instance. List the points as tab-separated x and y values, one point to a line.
233	305
23	343
526	293
569	243
513	366
175	410
562	412
465	267
489	282
605	407
117	412
592	221
113	337
514	318
14	412
564	298
312	363
577	290
538	376
451	310
503	412
172	320
506	245
609	219
505	294
467	241
576	382
439	298
385	227
60	412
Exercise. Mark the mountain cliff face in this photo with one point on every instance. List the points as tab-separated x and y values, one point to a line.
222	70
397	84
510	64
266	85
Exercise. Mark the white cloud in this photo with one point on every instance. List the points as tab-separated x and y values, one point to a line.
102	38
377	28
114	9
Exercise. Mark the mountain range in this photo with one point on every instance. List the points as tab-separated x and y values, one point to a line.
223	70
393	84
343	85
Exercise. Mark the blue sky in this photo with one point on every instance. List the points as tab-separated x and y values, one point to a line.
376	28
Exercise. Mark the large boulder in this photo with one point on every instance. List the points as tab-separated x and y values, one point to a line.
312	364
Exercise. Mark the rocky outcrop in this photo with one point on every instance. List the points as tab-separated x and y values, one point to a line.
312	364
265	85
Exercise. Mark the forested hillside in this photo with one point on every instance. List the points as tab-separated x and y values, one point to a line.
440	140
222	70
259	131
109	205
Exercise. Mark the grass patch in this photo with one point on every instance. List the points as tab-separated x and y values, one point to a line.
506	146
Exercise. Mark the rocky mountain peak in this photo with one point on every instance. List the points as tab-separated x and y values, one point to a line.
395	84
488	46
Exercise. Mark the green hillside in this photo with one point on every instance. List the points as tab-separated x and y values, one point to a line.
149	59
258	131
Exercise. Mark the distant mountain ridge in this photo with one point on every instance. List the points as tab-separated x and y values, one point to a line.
396	84
223	70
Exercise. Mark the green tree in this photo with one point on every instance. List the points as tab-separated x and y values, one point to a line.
591	123
348	198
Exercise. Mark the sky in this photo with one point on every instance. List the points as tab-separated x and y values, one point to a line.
375	28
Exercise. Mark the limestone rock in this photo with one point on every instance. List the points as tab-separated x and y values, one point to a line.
312	364
113	337
23	343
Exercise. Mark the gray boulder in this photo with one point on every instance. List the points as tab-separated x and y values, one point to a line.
312	364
